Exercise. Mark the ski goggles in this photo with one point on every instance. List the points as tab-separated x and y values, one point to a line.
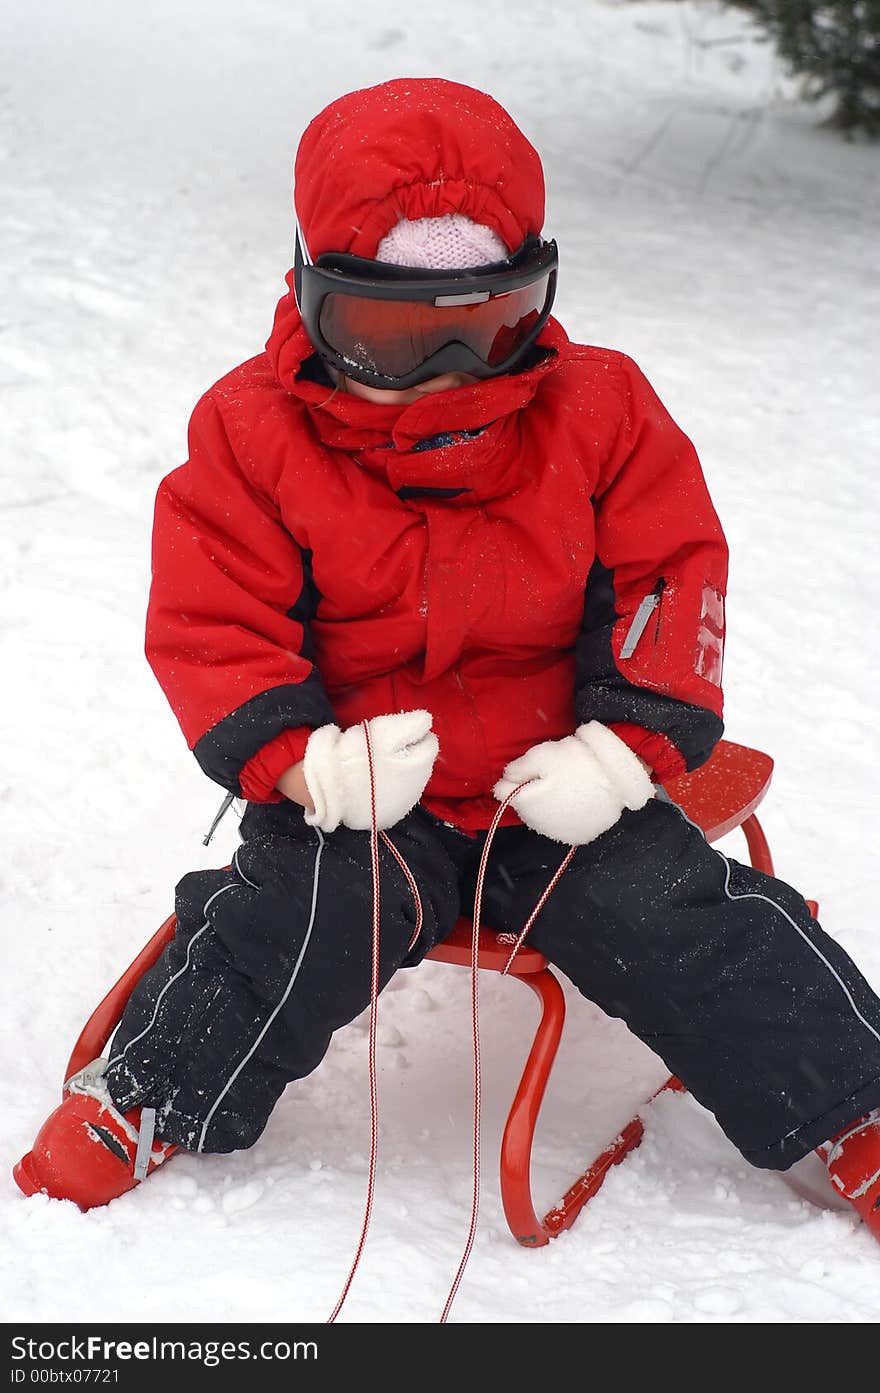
395	326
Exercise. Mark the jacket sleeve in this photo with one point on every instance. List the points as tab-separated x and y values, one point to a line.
649	656
227	631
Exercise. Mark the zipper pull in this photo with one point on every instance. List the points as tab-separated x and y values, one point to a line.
224	807
640	618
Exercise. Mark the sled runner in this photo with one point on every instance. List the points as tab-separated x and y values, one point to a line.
719	796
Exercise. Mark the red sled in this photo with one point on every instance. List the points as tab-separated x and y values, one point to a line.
719	796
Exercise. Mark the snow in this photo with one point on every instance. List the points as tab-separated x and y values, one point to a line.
710	227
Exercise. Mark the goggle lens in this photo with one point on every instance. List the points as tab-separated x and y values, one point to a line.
393	337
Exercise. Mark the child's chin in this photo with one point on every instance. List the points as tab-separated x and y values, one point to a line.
386	396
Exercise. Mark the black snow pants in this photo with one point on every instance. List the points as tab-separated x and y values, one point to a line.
717	967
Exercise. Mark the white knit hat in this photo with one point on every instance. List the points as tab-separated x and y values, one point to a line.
450	243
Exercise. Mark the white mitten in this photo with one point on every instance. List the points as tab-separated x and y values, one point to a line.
337	770
581	784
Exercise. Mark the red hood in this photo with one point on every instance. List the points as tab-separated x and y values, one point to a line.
413	148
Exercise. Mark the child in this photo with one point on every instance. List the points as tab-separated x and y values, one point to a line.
424	508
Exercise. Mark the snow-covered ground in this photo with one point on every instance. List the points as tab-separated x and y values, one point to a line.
711	228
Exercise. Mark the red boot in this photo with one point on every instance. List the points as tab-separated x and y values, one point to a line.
86	1150
853	1160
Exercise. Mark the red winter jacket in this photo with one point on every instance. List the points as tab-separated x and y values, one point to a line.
516	556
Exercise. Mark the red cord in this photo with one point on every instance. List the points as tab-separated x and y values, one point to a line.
475	1016
374	996
538	907
475	1022
412	885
